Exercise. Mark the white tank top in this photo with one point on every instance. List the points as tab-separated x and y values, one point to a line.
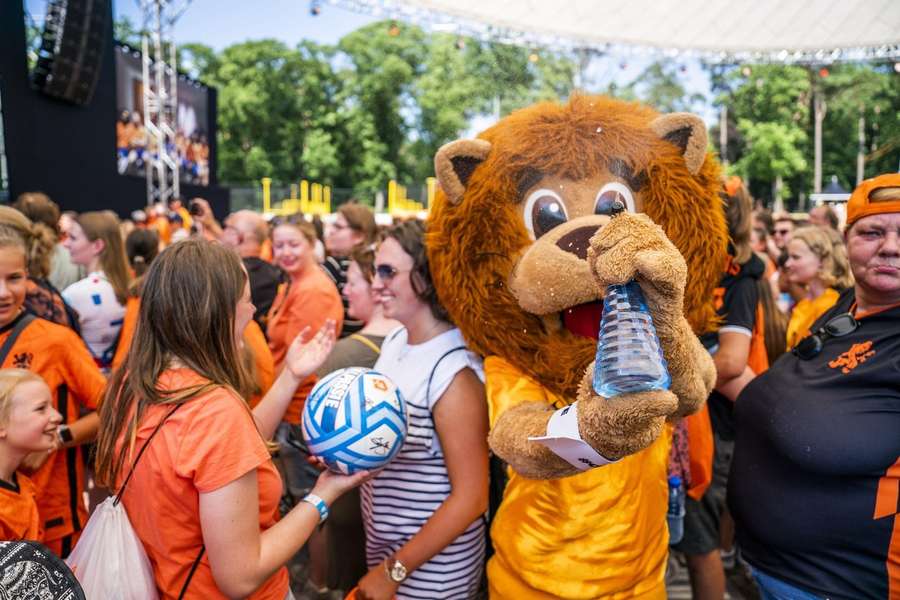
405	494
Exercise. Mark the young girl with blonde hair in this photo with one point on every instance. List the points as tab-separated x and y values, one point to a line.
818	262
28	424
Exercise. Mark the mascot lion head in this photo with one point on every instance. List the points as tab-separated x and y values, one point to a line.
510	227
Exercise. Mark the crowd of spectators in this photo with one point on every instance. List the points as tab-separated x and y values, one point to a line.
207	337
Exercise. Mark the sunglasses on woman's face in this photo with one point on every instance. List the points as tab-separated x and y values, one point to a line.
839	326
387	272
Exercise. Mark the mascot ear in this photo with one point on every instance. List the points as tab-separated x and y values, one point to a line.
454	164
686	131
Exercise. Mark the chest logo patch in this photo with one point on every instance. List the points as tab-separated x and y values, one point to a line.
23	360
852	358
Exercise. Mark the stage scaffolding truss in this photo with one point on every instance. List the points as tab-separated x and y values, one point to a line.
160	97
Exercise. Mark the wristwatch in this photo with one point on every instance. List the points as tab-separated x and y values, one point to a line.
396	570
65	434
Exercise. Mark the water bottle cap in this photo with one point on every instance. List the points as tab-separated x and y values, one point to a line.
674	481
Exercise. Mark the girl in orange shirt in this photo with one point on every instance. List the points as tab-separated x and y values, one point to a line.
58	355
209	464
28	424
308	299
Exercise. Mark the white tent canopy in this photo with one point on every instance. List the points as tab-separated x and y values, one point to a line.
783	30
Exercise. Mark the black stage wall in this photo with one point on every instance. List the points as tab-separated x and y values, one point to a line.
69	151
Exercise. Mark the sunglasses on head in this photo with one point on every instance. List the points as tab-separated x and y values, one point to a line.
388	272
838	326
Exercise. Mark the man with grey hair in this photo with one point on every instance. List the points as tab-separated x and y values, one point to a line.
246	231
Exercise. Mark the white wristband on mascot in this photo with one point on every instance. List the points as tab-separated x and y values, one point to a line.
564	440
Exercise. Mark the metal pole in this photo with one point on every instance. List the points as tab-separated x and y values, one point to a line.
820	107
173	119
147	94
160	81
861	153
161	99
723	135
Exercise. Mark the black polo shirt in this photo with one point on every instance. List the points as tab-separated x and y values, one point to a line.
815	478
736	299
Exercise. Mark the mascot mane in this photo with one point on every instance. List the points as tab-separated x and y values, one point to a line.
476	233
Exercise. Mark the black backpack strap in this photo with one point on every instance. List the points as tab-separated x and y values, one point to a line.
141	453
187	582
24	321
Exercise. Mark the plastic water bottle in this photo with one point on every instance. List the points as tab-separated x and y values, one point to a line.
629	357
675	515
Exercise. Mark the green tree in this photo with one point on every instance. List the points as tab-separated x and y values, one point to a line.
375	107
772	153
126	32
385	61
659	86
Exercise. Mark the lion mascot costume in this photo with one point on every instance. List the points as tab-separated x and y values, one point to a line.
522	248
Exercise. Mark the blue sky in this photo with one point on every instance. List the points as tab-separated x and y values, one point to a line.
219	23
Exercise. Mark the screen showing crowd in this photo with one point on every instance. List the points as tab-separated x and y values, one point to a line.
134	147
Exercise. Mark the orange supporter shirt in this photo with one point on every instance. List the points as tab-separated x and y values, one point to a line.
19	519
305	302
57	354
255	340
253	337
206	444
126	334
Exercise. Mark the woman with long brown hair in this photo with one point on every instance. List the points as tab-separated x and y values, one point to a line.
209	463
95	242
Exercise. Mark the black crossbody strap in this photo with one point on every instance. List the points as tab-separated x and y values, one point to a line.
24	322
187	582
141	453
193	570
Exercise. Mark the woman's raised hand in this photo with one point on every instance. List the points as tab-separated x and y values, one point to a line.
304	357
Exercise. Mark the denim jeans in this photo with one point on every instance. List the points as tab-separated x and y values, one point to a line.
775	589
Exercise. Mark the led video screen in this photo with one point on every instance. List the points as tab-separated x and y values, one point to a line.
134	147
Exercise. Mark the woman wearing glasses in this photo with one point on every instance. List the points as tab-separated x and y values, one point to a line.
818	266
424	512
815	477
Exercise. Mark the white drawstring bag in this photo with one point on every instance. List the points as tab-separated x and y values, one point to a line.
109	559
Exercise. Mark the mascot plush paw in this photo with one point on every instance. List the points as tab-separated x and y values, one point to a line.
522	245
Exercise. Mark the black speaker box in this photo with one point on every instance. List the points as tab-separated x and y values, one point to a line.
71	50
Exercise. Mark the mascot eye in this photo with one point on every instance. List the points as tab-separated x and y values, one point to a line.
614	197
544	210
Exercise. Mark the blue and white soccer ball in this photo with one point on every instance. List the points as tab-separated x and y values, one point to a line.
354	419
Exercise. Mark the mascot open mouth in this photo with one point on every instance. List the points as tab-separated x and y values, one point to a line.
584	319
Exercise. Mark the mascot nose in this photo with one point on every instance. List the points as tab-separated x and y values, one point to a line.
577	241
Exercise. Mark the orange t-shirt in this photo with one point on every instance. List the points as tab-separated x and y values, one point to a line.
19	518
255	340
60	357
206	444
306	302
129	323
253	337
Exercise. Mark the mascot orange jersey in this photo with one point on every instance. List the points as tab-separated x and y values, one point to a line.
521	246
